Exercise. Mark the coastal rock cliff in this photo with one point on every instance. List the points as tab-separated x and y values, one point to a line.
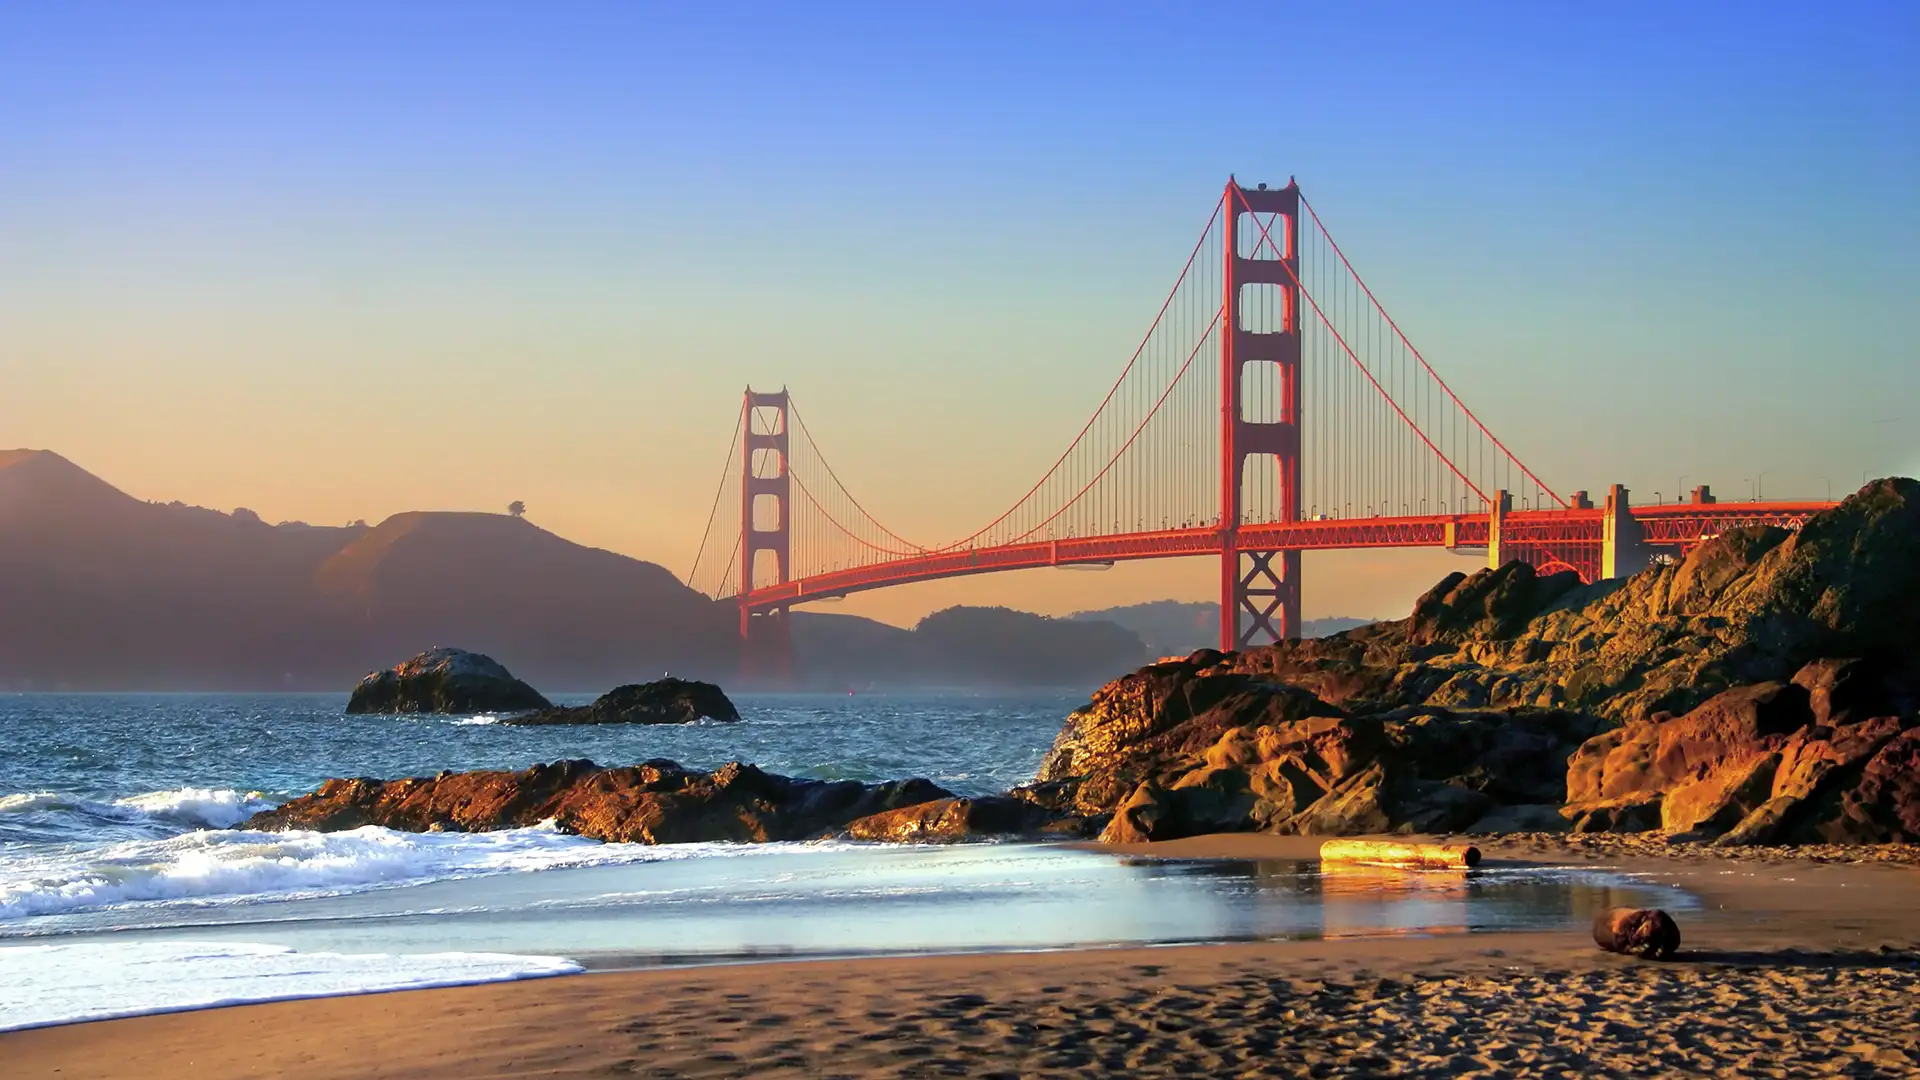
1751	606
656	802
1763	689
663	701
443	680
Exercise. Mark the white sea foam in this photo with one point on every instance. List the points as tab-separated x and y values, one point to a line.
35	800
57	984
205	808
221	867
191	807
473	721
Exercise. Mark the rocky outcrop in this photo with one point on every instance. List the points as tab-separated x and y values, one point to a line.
1805	761
1276	759
443	680
947	820
1763	689
656	802
663	701
1751	606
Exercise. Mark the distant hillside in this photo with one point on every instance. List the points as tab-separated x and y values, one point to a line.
99	590
102	590
964	646
1175	627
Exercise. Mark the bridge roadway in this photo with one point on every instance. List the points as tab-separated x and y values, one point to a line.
1551	539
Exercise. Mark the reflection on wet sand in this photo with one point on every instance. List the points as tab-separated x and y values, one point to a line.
1445	900
1293	898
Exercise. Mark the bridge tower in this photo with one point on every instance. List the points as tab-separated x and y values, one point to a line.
1259	324
766	520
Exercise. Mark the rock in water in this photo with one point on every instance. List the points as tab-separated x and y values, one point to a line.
664	701
443	680
656	802
1648	933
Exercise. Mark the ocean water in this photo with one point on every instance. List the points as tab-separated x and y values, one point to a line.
125	886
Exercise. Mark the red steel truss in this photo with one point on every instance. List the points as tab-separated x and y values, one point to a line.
1569	538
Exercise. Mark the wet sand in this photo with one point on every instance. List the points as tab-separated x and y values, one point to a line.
1795	966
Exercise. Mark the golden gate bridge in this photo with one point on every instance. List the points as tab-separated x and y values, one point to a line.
1273	406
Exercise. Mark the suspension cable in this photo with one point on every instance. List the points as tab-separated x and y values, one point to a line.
1331	242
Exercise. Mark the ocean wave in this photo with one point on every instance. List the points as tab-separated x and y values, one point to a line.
206	808
475	721
239	866
189	807
58	984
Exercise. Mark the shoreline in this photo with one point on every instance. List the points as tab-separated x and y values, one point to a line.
1789	964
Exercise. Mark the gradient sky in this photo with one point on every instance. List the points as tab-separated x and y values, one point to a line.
337	260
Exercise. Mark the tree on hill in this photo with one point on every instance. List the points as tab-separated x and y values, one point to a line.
517	508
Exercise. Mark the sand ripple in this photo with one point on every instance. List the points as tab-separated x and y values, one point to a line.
1784	1015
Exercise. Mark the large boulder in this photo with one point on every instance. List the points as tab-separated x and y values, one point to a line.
663	701
444	680
656	802
1772	762
1158	718
1188	747
1425	770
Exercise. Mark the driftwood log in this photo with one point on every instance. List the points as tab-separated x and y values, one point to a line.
1644	932
1396	853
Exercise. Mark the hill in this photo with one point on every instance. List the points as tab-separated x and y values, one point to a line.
1176	627
963	646
105	591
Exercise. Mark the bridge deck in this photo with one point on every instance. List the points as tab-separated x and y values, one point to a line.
1547	533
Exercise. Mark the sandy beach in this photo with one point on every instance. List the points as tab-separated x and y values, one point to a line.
1799	963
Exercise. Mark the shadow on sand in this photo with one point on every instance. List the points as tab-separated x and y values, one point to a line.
1886	958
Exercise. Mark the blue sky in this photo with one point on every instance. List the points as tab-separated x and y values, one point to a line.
1642	240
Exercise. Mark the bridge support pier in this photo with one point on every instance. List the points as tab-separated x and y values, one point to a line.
766	519
1265	591
1259	324
1623	542
766	646
1497	553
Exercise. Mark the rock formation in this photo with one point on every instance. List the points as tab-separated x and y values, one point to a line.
1762	689
443	680
950	819
1192	746
1751	606
663	701
656	802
